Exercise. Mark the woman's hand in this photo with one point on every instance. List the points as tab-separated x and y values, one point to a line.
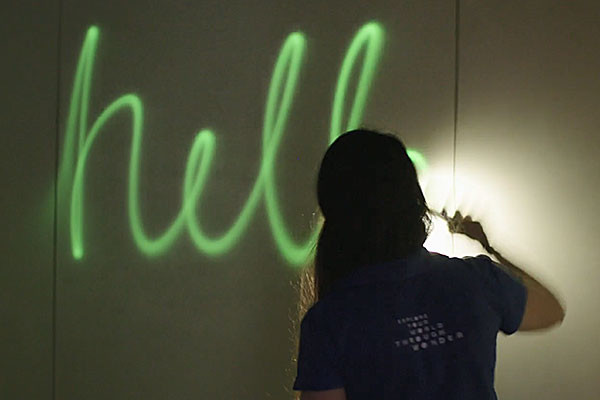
468	227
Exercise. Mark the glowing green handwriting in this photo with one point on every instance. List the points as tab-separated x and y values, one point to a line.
278	105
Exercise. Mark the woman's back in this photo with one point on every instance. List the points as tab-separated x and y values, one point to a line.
422	328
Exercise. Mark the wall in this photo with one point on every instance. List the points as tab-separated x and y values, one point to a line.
28	120
528	140
129	318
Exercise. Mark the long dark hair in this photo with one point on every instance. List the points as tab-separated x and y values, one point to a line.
373	206
372	210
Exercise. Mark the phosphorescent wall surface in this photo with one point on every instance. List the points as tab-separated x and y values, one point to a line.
160	159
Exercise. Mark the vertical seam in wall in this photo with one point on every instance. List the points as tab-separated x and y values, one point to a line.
456	81
55	227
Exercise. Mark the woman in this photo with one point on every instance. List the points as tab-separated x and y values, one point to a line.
392	320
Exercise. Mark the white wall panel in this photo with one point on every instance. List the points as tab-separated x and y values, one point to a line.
184	324
29	37
528	144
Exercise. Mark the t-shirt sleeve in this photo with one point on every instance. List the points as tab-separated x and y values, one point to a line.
318	367
505	291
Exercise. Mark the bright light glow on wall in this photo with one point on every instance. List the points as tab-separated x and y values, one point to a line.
472	198
282	89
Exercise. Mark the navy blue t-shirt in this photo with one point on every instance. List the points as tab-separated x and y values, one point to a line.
423	327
